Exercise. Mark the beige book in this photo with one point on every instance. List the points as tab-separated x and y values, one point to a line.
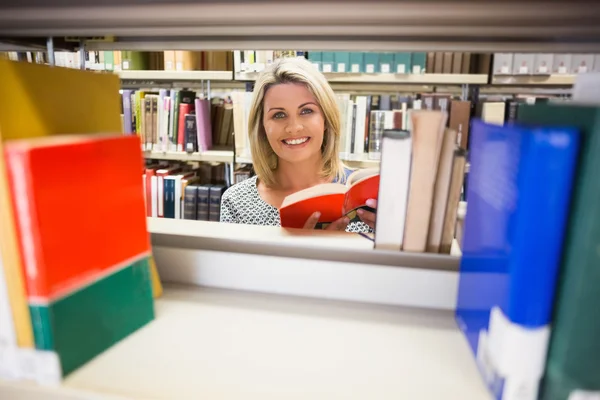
457	63
466	63
493	112
427	130
438	63
447	63
169	60
456	183
441	191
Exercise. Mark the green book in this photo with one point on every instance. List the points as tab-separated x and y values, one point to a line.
418	61
573	362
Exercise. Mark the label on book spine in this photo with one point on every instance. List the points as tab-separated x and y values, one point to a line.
385	68
416	69
341	67
355	68
327	68
370	68
401	69
584	395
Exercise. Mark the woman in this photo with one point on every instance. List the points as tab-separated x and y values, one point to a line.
294	130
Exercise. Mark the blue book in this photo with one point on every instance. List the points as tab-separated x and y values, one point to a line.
518	204
169	196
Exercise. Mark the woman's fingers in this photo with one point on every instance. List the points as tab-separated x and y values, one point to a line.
311	222
339	224
368	217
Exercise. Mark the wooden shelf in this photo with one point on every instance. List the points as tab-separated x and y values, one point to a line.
533	80
175	75
442	79
207	156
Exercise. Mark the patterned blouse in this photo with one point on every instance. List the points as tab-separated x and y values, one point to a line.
242	204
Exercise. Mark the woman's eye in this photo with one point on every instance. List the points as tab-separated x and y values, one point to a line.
306	111
278	115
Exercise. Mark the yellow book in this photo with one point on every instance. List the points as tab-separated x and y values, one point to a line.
46	101
156	285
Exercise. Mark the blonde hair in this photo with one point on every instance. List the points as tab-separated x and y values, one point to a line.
294	70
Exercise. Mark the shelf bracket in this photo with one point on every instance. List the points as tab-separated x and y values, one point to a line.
50	49
82	54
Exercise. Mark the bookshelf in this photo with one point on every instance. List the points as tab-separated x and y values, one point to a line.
170	76
426	349
191	351
207	156
425	79
534	80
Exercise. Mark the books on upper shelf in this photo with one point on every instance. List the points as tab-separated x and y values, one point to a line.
331	200
177	120
519	188
573	365
524	64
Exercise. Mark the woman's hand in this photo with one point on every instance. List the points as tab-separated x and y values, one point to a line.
337	225
368	217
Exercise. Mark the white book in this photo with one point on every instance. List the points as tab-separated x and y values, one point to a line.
359	127
154	194
8	337
394	184
177	201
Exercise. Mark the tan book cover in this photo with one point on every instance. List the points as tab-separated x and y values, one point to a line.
438	64
427	129
450	216
430	62
447	63
460	115
466	63
457	59
169	60
441	191
493	112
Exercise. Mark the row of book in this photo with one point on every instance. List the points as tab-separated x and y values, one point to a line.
371	62
181	191
132	60
177	120
421	179
528	288
544	64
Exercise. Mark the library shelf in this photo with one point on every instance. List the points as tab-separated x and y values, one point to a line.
279	347
227	156
170	76
441	79
206	156
534	80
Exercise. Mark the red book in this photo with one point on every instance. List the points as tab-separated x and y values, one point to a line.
184	109
332	200
79	207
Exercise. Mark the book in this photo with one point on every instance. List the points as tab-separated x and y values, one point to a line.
394	183
519	194
39	92
427	134
332	200
441	192
82	298
573	364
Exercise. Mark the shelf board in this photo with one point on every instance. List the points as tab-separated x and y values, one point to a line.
534	80
444	79
175	75
207	156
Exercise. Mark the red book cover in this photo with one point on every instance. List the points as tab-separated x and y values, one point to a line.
184	109
79	206
332	200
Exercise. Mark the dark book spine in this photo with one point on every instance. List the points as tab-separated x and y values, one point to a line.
169	198
191	133
190	202
214	208
203	196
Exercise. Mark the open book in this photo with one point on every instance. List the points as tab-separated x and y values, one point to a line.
332	200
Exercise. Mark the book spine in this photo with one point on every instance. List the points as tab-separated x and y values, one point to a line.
127	112
202	201
169	197
190	202
214	208
191	133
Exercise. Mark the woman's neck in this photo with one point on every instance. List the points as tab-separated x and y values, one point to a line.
298	176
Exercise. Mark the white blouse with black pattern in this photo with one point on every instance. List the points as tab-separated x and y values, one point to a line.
242	204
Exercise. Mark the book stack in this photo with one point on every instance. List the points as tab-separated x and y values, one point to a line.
181	191
529	273
421	175
72	284
544	63
177	120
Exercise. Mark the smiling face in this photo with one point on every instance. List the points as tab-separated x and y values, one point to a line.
293	122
